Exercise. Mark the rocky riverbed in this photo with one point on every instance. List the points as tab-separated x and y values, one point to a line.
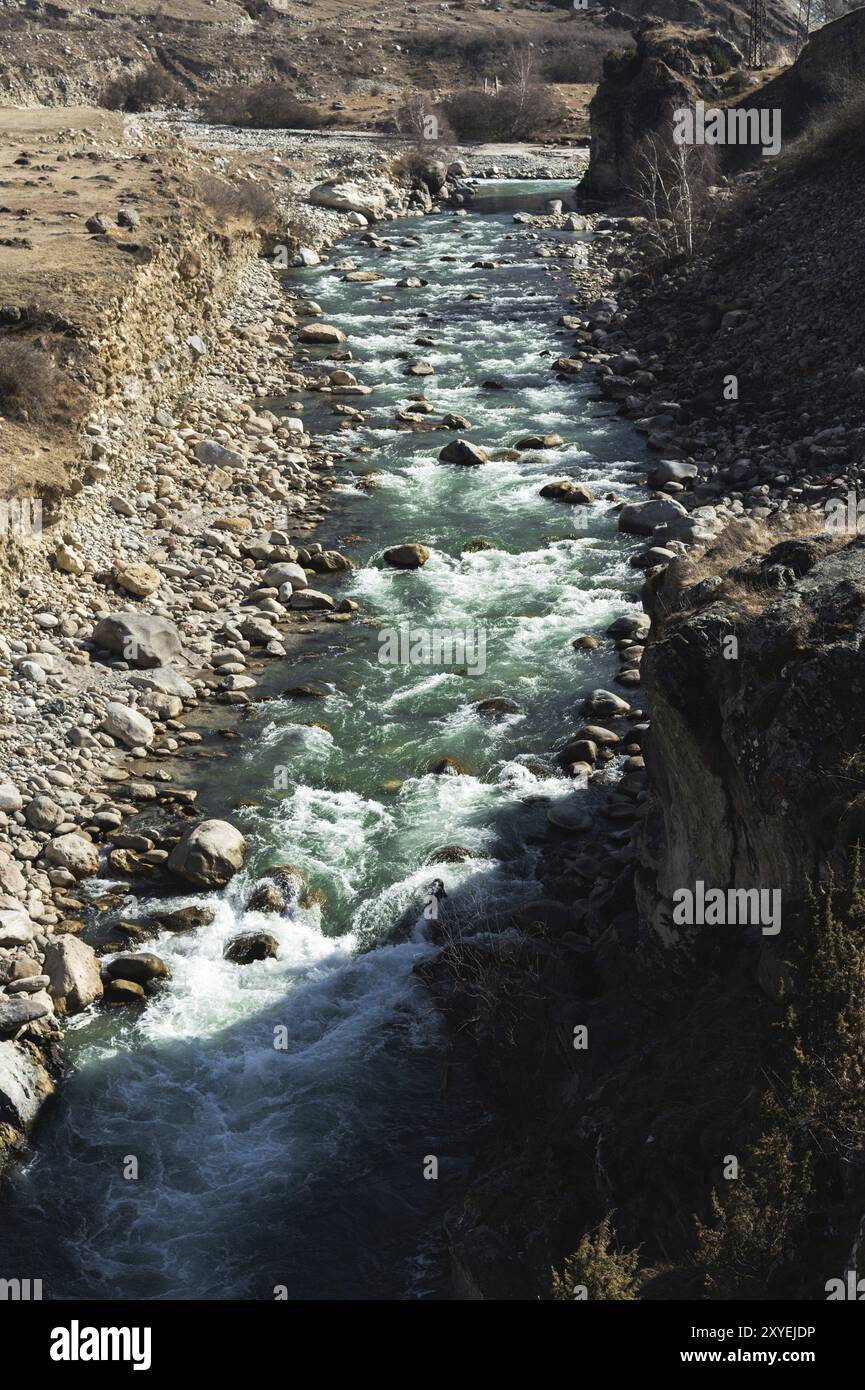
191	583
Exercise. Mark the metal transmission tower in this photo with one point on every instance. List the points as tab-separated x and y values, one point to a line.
757	33
813	14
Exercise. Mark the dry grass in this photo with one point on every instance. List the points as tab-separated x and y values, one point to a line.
744	594
243	201
32	388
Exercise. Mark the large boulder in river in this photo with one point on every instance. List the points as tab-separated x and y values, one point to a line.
641	518
142	639
345	196
185	918
209	854
250	946
407	557
266	896
539	441
74	977
141	967
464	452
563	490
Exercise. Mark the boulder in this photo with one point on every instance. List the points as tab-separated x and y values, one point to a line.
285	572
321	333
575	494
185	918
641	518
74	977
24	1085
10	797
124	992
127	724
311	598
345	196
12	881
141	967
209	854
671	471
42	813
605	702
214	455
250	946
164	681
539	441
407	557
142	639
16	1012
69	561
139	580
16	928
266	896
462	451
75	853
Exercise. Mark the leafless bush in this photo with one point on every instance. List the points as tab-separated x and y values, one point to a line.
423	121
267	106
671	185
243	201
513	113
142	91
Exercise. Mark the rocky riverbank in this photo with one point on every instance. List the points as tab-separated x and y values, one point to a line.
170	568
173	570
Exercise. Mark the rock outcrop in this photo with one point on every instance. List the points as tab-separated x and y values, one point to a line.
671	67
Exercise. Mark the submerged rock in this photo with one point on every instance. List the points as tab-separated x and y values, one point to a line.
266	897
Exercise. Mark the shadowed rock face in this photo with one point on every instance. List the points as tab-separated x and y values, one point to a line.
750	756
671	67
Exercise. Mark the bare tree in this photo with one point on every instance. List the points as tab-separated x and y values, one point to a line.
671	186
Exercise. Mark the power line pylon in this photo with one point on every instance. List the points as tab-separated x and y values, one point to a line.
757	33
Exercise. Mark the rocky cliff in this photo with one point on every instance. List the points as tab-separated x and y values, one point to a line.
672	66
753	681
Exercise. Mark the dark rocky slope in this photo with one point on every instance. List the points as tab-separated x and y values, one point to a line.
611	1162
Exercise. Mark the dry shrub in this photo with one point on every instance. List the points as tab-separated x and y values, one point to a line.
424	122
267	106
509	114
143	91
32	387
599	1268
242	201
